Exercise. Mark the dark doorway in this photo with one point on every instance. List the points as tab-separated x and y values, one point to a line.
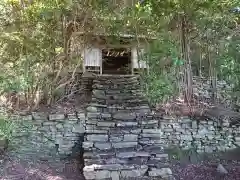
116	61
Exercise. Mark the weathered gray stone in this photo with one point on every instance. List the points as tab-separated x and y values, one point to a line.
124	145
130	137
125	124
151	135
152	131
110	167
59	126
106	124
48	123
134	173
203	132
39	116
208	149
97	138
103	174
100	94
163	172
93	131
237	138
124	116
91	109
87	145
67	126
89	175
194	125
93	115
56	117
150	122
106	115
132	154
162	156
136	131
116	138
151	142
221	169
115	175
91	122
81	116
168	130
186	137
78	128
103	146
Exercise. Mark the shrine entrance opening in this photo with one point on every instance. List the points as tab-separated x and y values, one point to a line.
116	61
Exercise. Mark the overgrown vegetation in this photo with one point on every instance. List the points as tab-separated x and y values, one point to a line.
6	128
203	38
40	45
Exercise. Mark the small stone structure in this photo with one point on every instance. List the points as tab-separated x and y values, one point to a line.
122	139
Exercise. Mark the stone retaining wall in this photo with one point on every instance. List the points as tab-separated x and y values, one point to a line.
124	140
204	136
121	137
50	135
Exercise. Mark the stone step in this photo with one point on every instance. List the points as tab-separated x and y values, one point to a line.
116	82
119	96
101	145
111	166
121	140
95	107
116	78
138	172
127	106
119	99
106	87
127	153
122	91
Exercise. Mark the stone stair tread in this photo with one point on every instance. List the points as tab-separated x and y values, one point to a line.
116	88
132	154
113	167
113	82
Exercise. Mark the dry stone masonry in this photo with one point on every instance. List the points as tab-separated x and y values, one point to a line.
204	136
122	139
51	135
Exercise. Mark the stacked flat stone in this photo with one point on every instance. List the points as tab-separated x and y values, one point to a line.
85	84
204	136
121	141
50	134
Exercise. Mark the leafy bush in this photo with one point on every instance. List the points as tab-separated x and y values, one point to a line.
6	128
158	88
159	84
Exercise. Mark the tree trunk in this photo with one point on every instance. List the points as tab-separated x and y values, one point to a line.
185	45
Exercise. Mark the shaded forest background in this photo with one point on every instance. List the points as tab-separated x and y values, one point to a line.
194	42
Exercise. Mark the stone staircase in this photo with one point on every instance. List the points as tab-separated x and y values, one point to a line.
122	137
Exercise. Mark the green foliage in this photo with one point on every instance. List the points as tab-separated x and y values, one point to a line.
162	58
6	128
158	88
32	32
30	35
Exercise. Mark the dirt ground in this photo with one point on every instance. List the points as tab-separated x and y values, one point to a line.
13	168
16	169
206	167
